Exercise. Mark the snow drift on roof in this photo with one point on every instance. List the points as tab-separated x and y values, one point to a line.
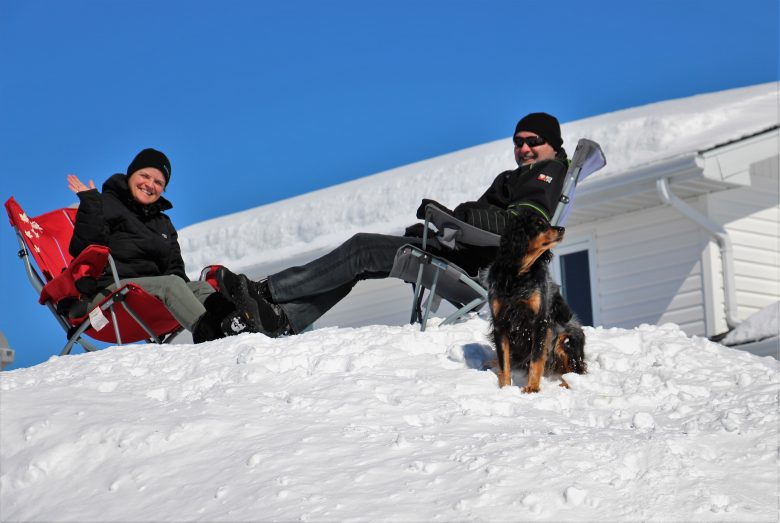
386	202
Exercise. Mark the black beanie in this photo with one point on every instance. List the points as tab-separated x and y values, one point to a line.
151	158
544	125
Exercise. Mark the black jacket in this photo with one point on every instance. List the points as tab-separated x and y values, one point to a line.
142	238
537	186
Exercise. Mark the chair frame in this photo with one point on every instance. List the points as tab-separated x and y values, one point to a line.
441	220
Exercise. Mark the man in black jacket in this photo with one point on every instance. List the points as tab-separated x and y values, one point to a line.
291	300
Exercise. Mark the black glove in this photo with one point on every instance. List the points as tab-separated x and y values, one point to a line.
463	210
87	286
421	209
417	230
483	216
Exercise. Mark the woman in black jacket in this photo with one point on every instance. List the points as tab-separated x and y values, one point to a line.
129	218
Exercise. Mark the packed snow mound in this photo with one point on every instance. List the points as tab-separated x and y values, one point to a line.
385	202
388	423
763	324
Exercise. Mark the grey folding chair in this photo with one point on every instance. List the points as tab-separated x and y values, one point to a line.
442	278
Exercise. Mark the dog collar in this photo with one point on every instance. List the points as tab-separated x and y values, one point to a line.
513	209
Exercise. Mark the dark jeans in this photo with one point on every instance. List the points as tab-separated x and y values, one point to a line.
309	291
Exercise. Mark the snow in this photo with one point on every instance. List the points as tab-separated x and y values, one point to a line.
385	202
762	324
391	424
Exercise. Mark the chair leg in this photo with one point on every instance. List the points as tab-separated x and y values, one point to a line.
431	294
167	338
418	308
472	305
475	304
75	337
416	300
116	324
87	346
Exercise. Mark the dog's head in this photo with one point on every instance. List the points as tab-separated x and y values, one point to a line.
529	237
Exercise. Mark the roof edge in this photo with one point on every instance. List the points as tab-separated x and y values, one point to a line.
727	163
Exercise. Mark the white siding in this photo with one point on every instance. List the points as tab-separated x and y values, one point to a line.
371	302
649	269
751	216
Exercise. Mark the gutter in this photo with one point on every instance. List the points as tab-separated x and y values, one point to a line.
721	237
638	180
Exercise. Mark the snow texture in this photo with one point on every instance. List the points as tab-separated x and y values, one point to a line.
762	324
390	424
385	202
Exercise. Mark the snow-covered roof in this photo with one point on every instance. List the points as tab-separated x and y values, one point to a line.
661	134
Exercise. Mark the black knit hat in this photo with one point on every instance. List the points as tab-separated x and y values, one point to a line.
543	124
151	158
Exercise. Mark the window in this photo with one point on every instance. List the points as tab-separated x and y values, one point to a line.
573	269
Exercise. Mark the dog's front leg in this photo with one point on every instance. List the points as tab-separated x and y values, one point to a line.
504	362
502	345
538	360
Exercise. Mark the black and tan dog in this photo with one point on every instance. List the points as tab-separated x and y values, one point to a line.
533	327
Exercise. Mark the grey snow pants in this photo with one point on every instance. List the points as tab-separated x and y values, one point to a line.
183	299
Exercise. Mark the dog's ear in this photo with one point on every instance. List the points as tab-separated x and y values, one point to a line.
515	239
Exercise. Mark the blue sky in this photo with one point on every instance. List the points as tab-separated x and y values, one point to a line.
257	101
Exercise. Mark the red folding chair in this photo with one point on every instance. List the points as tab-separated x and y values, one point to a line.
127	315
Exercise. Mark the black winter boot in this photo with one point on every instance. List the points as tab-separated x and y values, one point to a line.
274	320
209	326
265	316
205	330
238	322
235	287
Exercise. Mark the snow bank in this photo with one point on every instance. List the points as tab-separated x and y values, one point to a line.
762	324
388	423
386	202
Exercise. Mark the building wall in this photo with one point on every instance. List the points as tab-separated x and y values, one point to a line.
751	216
648	269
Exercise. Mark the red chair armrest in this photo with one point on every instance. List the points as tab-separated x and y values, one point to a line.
90	263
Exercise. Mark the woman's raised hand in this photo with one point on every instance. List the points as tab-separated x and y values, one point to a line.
77	186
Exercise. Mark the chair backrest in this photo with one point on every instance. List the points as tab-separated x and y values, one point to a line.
588	158
47	236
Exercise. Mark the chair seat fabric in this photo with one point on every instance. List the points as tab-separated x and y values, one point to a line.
450	285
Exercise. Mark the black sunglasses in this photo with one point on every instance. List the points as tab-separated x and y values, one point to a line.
532	141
